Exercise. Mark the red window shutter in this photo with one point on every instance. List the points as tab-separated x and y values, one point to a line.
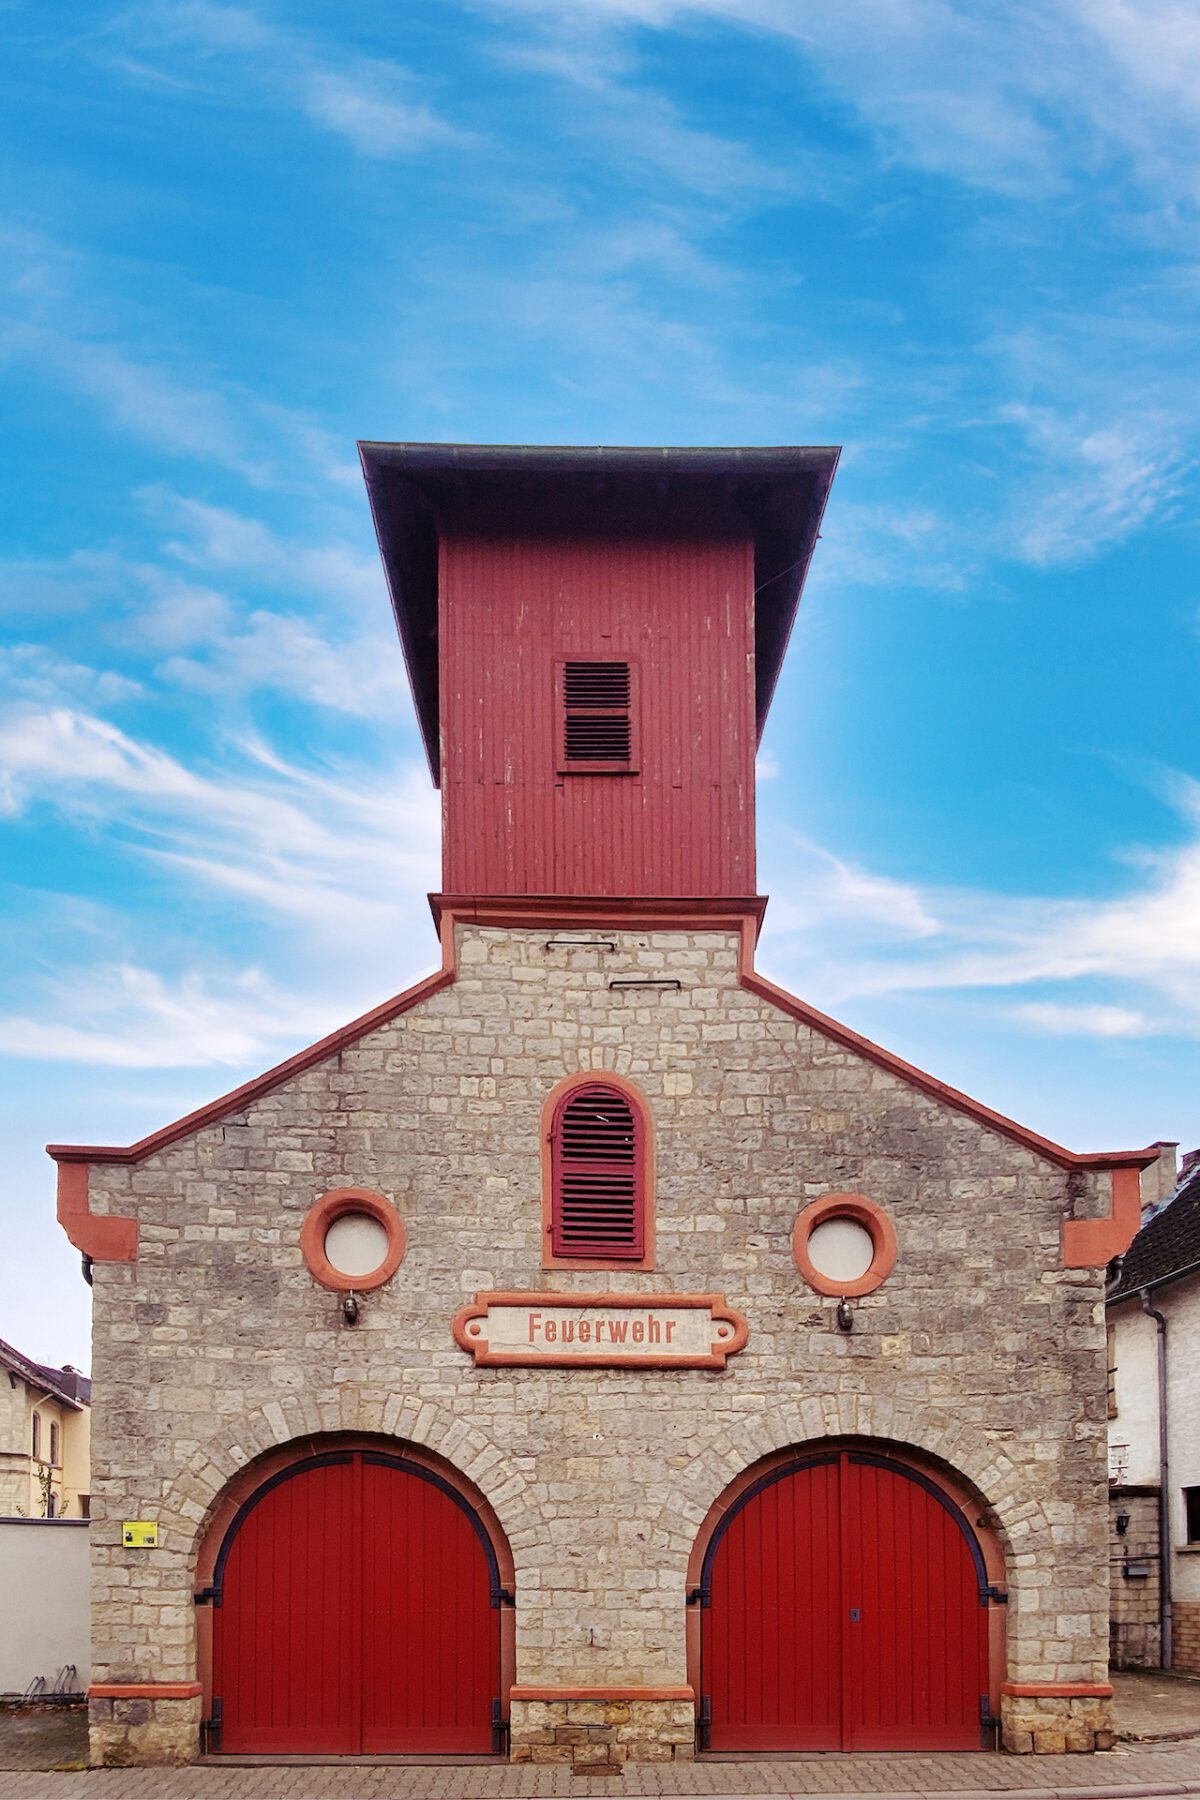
599	1182
597	715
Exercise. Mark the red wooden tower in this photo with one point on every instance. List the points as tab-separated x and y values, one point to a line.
593	639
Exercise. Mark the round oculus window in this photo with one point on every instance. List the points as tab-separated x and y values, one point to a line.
352	1238
844	1245
356	1244
839	1248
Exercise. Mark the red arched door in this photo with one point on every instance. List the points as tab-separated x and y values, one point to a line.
356	1612
845	1608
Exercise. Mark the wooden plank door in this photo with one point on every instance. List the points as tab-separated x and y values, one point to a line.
284	1633
844	1610
430	1639
354	1615
915	1664
772	1649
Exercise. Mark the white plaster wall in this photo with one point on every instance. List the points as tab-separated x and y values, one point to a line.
45	1618
1180	1306
1136	1423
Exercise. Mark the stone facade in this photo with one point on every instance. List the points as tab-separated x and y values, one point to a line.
981	1350
1135	1638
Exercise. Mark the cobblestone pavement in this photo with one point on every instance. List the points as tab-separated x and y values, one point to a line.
1151	1705
38	1747
1131	1772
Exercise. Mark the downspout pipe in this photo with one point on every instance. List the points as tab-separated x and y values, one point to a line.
1164	1490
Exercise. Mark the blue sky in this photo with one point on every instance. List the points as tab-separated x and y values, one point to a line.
957	239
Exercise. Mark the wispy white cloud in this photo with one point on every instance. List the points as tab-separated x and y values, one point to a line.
333	862
1125	966
1018	99
125	1017
373	104
220	540
1084	1021
335	850
194	619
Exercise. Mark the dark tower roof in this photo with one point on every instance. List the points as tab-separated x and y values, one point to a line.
418	491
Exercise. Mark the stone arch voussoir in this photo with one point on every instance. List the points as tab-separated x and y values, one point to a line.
1020	1519
190	1501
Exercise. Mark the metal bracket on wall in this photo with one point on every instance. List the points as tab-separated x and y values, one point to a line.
645	981
210	1730
204	1596
499	1729
995	1595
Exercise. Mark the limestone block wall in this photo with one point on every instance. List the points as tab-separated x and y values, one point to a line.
1135	1639
980	1349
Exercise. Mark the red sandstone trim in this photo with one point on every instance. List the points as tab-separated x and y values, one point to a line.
864	1212
476	1344
636	1098
104	1237
1057	1690
336	1205
622	912
145	1690
602	1693
1090	1243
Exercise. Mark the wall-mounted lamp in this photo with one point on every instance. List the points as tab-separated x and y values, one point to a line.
350	1308
1122	1522
845	1315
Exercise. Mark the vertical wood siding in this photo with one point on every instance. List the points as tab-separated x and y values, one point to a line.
682	614
844	1614
355	1618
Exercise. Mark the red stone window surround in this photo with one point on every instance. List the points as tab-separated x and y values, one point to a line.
335	1205
861	1211
597	1175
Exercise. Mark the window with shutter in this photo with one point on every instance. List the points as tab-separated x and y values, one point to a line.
598	1175
597	701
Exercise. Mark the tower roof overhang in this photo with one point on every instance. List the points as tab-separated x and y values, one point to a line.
776	497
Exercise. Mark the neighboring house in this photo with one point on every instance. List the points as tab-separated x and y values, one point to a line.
1154	1449
596	1352
45	1425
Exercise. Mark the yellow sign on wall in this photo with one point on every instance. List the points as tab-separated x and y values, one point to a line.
139	1534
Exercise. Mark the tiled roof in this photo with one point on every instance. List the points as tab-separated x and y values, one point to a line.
67	1385
1167	1244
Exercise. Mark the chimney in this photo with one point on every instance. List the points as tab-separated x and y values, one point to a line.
1159	1179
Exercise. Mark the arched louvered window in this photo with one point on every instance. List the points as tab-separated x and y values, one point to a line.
598	1175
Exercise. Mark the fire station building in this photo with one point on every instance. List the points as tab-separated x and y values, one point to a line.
595	1353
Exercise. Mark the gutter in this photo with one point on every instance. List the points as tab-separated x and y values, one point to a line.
1164	1492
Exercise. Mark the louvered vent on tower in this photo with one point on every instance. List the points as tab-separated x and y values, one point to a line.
597	716
598	1162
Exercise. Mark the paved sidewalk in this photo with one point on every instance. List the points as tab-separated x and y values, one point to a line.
1154	1706
38	1747
1123	1774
